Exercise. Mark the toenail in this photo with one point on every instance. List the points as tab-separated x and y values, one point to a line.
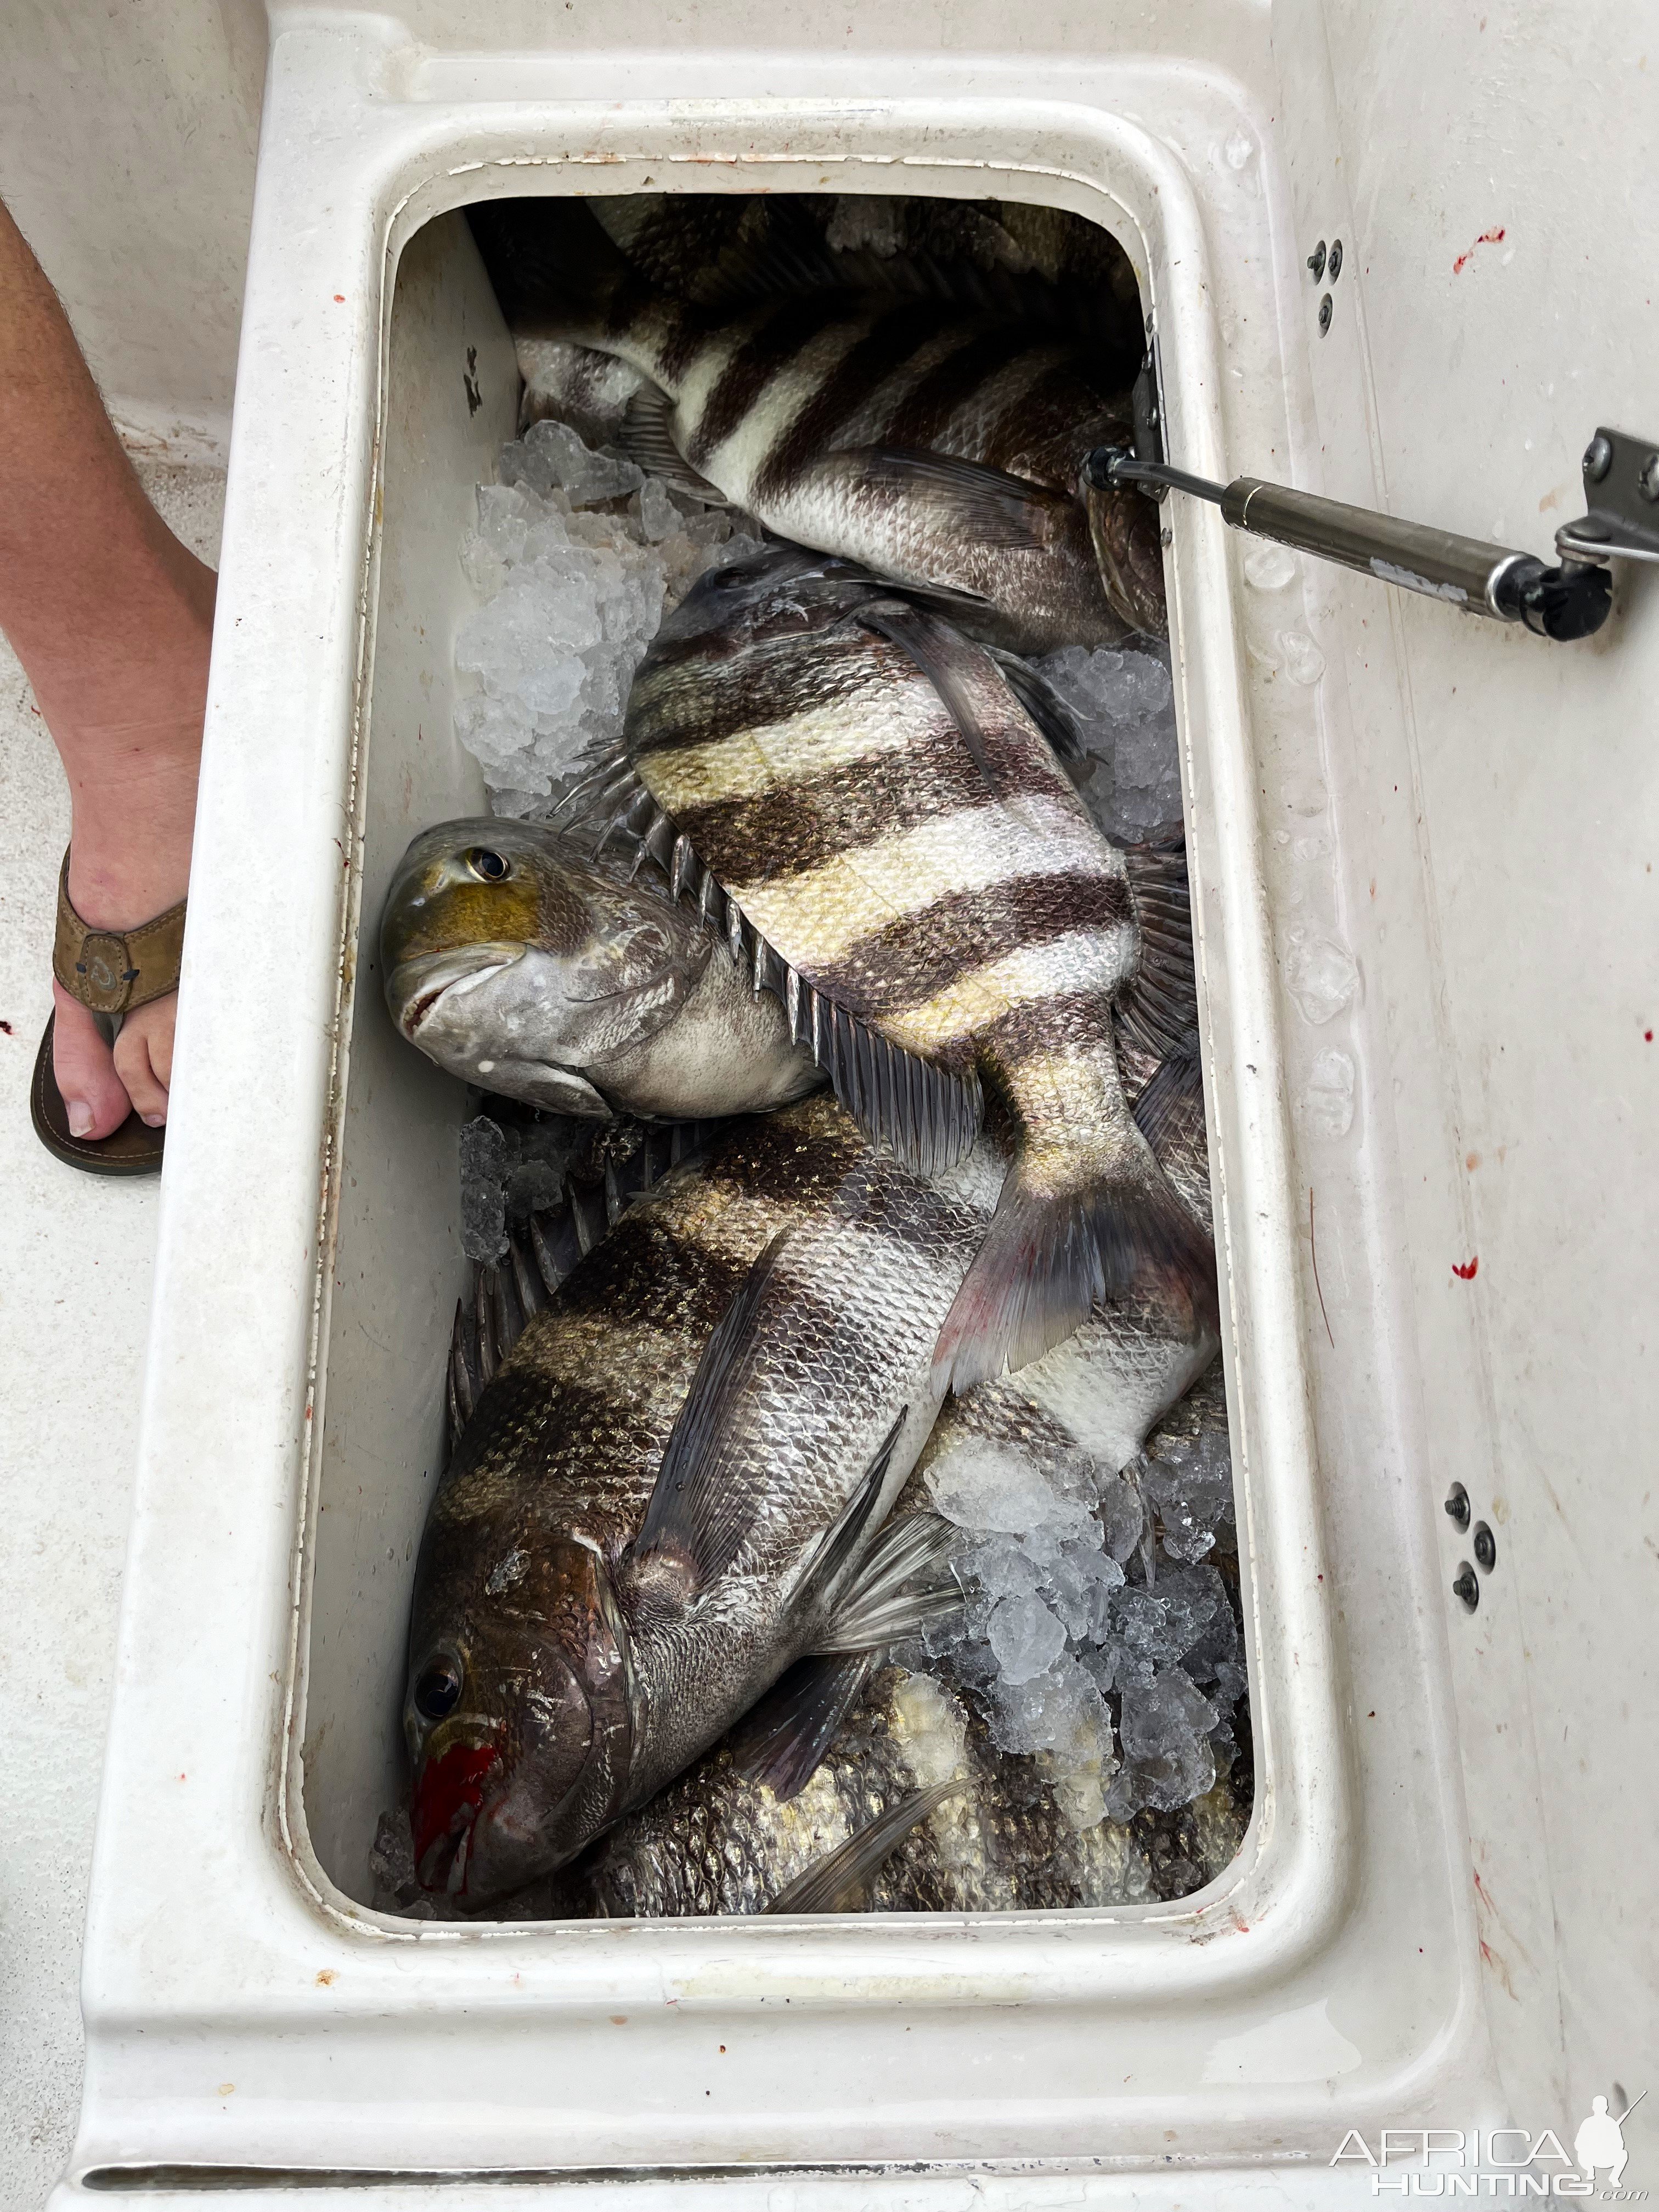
81	1117
153	1120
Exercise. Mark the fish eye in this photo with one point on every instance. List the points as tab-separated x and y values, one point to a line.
438	1691
488	866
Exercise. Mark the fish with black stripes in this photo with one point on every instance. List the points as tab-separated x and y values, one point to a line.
864	801
940	447
800	1806
674	1487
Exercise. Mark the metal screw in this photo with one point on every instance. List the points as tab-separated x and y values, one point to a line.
1317	261
1485	1549
1466	1586
1325	323
1598	458
1457	1505
1648	483
1336	259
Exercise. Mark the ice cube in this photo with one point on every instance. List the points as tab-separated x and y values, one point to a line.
1325	1108
1168	1759
1026	1638
1304	662
1269	567
1320	975
1191	1486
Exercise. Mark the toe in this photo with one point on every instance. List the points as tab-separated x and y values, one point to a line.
143	1058
96	1099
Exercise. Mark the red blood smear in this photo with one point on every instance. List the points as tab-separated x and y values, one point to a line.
1467	1274
445	1785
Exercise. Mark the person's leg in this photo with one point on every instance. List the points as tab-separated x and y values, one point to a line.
111	619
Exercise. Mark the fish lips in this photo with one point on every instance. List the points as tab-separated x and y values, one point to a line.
415	987
449	1793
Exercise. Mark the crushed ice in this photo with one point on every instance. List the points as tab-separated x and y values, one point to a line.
1124	702
1096	1628
576	557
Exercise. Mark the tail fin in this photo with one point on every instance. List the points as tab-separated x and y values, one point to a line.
1049	1257
557	273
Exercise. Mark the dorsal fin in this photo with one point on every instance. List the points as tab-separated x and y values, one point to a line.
1157	1010
505	1293
928	1116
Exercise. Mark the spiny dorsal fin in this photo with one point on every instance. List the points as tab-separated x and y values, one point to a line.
840	1881
928	1116
505	1293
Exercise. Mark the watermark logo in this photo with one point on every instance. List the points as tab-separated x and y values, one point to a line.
1513	2162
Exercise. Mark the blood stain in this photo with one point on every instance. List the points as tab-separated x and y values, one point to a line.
1467	1274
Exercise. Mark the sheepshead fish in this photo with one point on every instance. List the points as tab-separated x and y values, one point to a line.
938	447
518	961
861	800
766	1812
817	1788
674	1488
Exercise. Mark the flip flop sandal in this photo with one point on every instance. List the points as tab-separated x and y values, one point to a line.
111	972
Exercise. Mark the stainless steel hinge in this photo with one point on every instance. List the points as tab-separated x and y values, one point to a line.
1568	599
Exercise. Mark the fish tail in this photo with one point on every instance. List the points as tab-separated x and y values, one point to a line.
558	274
1085	1213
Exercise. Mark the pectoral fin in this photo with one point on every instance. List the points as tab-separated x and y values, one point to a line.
700	1512
988	505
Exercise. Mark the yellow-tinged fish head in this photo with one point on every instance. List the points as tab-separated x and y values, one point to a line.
515	961
517	1713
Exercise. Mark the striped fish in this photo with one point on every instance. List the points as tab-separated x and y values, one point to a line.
863	798
938	447
810	1772
673	1488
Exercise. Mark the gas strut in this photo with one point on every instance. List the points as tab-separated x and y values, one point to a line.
1571	599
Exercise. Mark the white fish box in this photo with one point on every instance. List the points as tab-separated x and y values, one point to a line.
250	2020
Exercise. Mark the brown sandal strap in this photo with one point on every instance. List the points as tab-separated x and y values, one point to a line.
113	970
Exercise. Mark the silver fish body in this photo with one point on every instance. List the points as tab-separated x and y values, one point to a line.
897	852
939	448
674	1488
519	962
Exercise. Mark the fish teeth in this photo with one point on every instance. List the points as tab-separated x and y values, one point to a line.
792	1001
681	864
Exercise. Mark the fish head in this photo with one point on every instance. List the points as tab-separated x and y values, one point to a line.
515	960
519	1717
778	593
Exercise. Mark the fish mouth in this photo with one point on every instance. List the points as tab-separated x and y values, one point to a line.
449	1794
414	987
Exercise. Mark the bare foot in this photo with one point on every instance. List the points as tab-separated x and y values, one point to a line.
132	786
